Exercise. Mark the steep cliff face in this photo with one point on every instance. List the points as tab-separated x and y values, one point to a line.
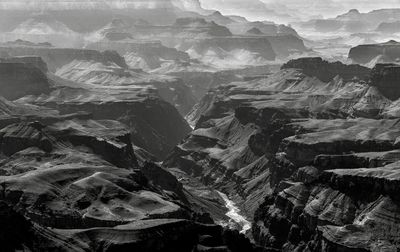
385	77
34	60
334	196
20	79
363	54
286	45
326	71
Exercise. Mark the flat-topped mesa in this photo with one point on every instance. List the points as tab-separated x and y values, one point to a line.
19	79
34	60
386	78
363	54
326	71
58	57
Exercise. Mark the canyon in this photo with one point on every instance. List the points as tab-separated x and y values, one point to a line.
302	152
165	126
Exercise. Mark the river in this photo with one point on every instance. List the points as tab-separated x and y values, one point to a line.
234	215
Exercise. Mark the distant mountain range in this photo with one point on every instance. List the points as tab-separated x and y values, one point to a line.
190	5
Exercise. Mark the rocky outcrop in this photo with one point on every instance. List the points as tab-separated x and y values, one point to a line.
326	71
327	214
332	196
286	45
107	91
20	79
363	54
155	125
385	77
84	157
58	57
283	138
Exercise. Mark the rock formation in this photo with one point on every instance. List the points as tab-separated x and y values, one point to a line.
313	150
388	52
386	77
107	91
326	71
103	147
91	185
20	79
58	57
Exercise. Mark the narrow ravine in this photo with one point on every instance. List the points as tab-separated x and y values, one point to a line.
236	219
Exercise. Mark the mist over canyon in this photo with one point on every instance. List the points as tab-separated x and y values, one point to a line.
199	125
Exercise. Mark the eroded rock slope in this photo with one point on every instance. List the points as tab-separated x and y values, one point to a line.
312	154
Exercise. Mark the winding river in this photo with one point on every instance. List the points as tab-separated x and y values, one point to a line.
234	214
